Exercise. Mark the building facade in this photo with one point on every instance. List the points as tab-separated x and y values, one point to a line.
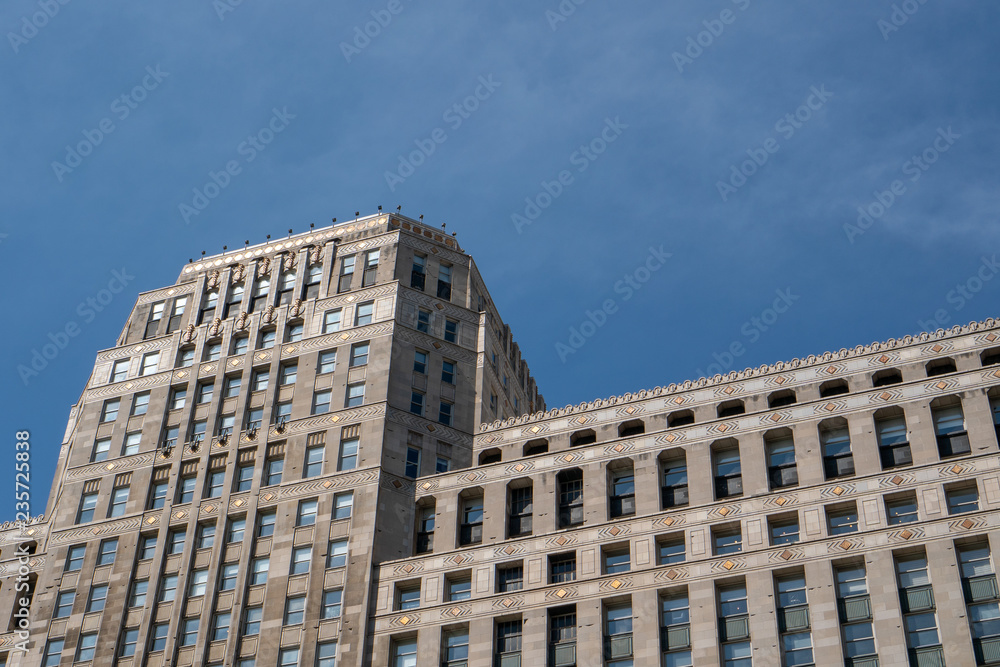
327	451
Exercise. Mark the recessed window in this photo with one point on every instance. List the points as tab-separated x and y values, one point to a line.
727	469
631	428
295	610
337	556
584	437
108	549
359	354
423	320
168	588
355	395
781	398
941	367
781	469
616	559
101	449
569	485
327	362
119	371
535	447
622	491
348	458
451	331
962	498
949	427
680	418
363	314
150	362
301	559
140	404
833	388
267	339
343	504
835	441
783	529
471	527
307	512
842	519
510	578
294	333
259	568
727	540
670	549
458	588
331	321
244	478
886	376
990	357
241	344
562	568
731	408
321	402
890	431
902	508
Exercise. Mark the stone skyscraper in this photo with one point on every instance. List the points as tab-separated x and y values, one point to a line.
327	451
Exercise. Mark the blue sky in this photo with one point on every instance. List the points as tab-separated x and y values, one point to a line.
647	113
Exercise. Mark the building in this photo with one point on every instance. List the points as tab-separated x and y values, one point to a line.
327	450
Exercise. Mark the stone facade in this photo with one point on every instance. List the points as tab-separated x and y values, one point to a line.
409	501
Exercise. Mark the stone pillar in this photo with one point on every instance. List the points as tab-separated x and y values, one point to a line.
824	617
701	480
953	626
645	625
763	623
864	443
704	623
808	454
647	484
753	464
888	620
920	432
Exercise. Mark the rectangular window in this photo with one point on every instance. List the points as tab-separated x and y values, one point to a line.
214	483
444	282
251	621
331	320
331	603
448	372
86	646
321	402
205	390
241	344
471	529
782	471
289	372
442	464
420	362
793	621
74	557
106	554
140	404
962	498
734	627
508	642
272	471
168	588
53	653
158	636
188	632
307	512
228	576
327	362
101	449
355	395
616	559
674	480
186	357
363	314
562	568
267	339
314	276
342	505
727	540
359	354
258	570
129	640
894	448
178	398
423	320
174	323
445	411
404	653
220	626
294	332
137	596
295	610
213	351
842	520
622	498
728	474
408	597
418	272
458	589
185	488
237	529
244	478
132	441
451	331
98	596
147	546
288	657
783	530
510	578
150	362
346	274
618	635
455	648
265	524
671	549
675	624
520	511
231	386
570	484
261	380
417	403
301	559
370	268
109	411
64	604
949	427
88	503
337	556
119	372
314	461
153	322
197	583
412	467
205	537
901	509
425	530
175	541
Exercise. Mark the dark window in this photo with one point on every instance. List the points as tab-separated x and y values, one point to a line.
519	521
570	498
